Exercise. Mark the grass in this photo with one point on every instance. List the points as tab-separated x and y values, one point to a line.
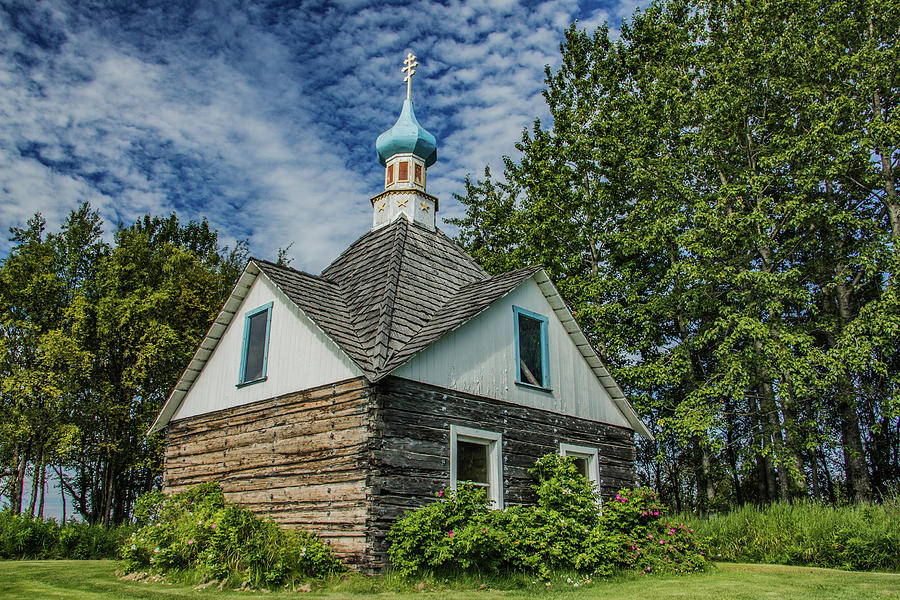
861	538
82	580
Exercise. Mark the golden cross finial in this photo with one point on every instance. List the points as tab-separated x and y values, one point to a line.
409	68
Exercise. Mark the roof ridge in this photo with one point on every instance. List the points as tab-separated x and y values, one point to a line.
289	268
385	320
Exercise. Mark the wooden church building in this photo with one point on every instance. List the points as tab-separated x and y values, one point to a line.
336	402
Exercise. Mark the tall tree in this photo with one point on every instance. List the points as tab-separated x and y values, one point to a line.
712	198
94	338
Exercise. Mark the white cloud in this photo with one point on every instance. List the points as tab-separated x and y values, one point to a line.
261	119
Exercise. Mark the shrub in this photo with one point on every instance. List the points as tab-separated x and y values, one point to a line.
27	537
197	532
565	531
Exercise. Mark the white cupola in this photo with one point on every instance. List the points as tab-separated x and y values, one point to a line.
406	150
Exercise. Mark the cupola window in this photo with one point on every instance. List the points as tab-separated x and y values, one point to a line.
418	174
403	174
389	175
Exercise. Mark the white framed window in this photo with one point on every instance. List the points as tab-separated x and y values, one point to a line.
587	461
476	456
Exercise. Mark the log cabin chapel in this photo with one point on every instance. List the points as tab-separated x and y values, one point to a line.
336	402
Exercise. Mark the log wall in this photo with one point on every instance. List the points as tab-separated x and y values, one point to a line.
299	458
346	460
411	447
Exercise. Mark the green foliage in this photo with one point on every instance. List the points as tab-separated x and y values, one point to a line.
717	199
92	338
25	537
806	533
633	512
196	531
565	531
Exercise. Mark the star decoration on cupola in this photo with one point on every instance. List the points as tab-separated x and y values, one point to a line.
406	150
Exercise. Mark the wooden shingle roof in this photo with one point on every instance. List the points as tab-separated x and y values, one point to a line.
393	293
393	285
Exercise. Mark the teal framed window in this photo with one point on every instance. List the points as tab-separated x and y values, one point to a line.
532	359
255	352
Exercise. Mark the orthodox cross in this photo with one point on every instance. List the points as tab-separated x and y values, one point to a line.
410	70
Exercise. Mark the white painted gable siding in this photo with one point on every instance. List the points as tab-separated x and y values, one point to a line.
300	357
479	358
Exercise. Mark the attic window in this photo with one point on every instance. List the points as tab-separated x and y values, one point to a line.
532	361
475	457
256	345
586	460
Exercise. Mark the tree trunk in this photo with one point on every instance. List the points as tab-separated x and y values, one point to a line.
18	479
855	468
832	497
62	491
703	465
35	480
793	445
676	485
771	431
43	490
762	441
814	477
730	454
890	198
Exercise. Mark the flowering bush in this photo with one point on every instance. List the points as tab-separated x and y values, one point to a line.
632	512
456	531
566	530
669	547
197	531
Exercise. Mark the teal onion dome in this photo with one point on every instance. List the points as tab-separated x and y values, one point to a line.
406	136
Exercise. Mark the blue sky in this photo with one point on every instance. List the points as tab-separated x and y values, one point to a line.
261	117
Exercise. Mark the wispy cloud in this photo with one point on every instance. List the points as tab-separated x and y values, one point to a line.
260	118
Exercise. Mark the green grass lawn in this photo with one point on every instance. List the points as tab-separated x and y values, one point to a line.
40	580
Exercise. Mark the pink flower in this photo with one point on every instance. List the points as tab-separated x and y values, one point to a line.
662	541
648	568
190	541
440	493
213	525
618	496
485	530
451	534
655	513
